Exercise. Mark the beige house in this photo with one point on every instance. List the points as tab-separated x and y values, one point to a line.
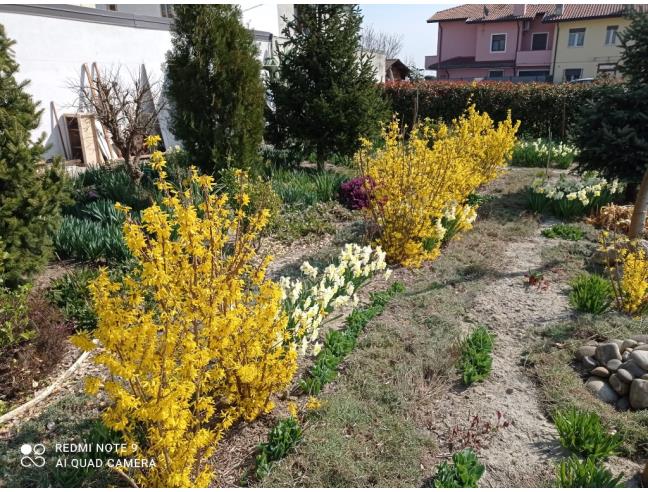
586	42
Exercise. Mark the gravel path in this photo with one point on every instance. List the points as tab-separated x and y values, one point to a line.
518	455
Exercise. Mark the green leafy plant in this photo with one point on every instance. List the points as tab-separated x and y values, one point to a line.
476	360
464	472
584	434
282	438
14	323
306	188
574	473
83	239
338	344
72	295
569	232
591	293
541	152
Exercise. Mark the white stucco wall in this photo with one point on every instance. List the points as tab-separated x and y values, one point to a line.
51	52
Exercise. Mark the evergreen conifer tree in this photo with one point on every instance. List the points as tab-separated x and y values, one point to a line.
324	93
214	87
30	196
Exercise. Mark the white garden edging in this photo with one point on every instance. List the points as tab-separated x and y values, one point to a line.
46	392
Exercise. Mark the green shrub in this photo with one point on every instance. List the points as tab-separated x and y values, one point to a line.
540	107
591	294
31	192
574	473
476	360
583	433
282	438
14	322
72	295
569	232
82	239
213	83
338	344
464	472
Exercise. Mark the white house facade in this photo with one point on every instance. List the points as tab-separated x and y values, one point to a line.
54	42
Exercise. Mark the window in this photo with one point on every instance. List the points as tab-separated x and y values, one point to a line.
167	10
611	35
607	68
498	43
496	74
539	41
576	37
573	74
112	7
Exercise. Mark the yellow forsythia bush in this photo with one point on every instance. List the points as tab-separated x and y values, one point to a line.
415	179
192	339
628	273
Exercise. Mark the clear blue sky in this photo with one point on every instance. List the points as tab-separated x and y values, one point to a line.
419	37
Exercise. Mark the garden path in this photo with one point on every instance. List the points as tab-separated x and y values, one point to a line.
518	454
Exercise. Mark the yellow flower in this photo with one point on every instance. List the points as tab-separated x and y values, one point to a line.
313	403
152	141
293	409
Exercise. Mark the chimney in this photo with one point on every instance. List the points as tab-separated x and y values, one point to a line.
519	9
559	9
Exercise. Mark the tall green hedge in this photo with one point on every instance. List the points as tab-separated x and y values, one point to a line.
539	106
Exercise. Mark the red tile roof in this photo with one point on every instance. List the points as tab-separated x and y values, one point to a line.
589	11
479	12
476	13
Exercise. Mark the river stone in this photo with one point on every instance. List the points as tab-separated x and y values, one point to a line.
628	350
624	376
644	377
625	356
607	351
629	343
613	364
640	338
632	367
601	390
601	372
586	351
619	385
589	363
643	346
641	358
623	404
639	394
591	343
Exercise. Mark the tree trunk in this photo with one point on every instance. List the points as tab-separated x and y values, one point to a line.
321	160
638	222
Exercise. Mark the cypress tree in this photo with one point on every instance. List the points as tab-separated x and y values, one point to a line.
324	91
30	198
214	87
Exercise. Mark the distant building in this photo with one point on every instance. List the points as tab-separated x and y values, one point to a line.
396	69
55	42
527	41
